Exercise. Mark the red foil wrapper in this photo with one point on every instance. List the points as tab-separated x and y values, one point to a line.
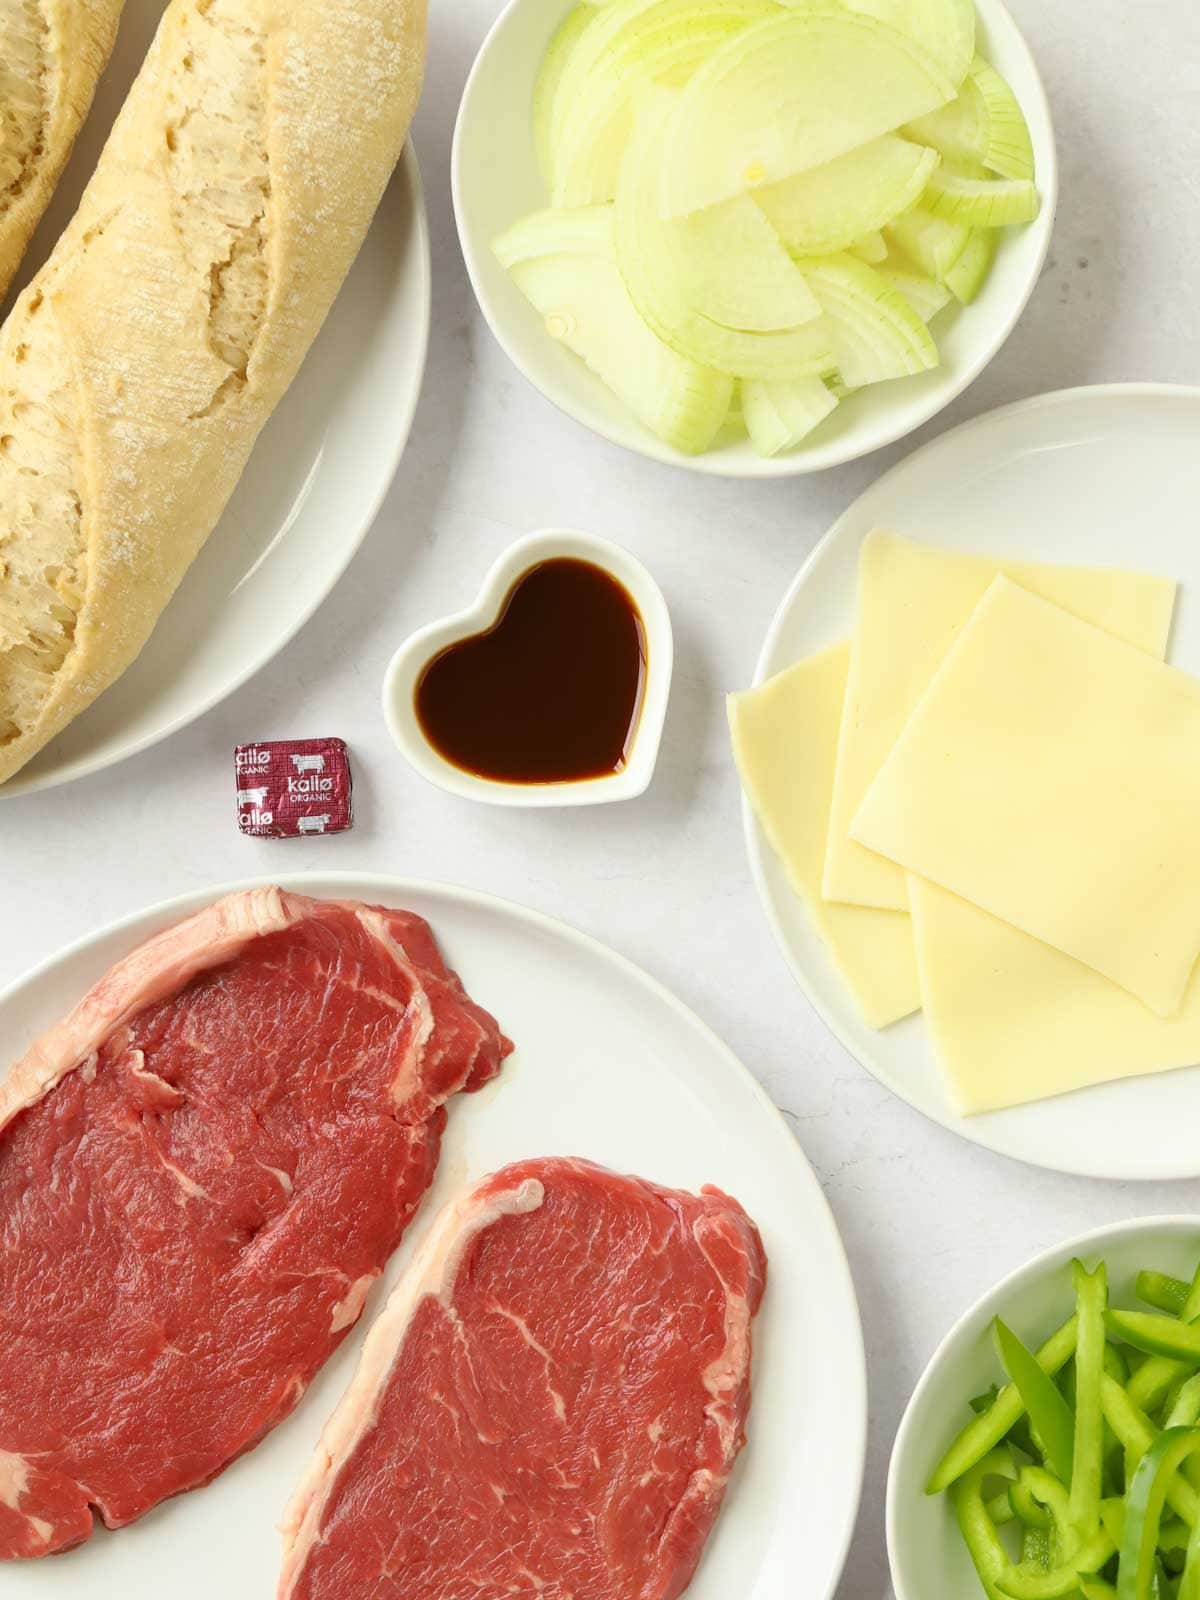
289	788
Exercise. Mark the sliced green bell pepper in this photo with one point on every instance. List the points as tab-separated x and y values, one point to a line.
1149	1384
1074	1555
1170	1399
1115	1363
1028	1582
1189	1584
1137	1433
1096	1589
984	1432
1137	1573
1158	1335
1036	1549
1164	1293
1049	1414
1086	1480
999	1508
1174	1535
1186	1407
977	1528
1027	1508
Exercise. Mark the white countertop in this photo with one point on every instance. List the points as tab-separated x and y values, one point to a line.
929	1221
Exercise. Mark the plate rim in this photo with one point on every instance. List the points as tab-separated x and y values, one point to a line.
757	849
19	786
853	1343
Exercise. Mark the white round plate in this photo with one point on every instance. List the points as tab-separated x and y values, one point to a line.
309	495
610	1066
1103	477
495	179
929	1560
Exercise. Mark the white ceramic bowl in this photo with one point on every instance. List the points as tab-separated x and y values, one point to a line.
928	1558
404	672
495	180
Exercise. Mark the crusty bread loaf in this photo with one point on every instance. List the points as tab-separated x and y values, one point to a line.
51	54
138	368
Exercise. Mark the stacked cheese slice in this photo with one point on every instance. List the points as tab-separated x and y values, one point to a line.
987	802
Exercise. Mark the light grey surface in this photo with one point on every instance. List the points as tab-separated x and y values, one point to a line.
929	1221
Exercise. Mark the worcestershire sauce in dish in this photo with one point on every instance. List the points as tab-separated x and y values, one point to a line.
552	691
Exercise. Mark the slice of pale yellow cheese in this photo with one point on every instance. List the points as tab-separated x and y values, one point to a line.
1013	1020
1051	776
784	742
913	601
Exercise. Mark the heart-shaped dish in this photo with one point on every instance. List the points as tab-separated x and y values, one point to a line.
404	674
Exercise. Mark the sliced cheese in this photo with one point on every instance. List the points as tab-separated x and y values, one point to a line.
1051	775
913	601
784	742
1013	1020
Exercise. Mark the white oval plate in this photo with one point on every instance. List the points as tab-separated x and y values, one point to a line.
1107	476
608	1065
495	180
309	495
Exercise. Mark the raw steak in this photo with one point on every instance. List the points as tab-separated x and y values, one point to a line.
202	1172
550	1404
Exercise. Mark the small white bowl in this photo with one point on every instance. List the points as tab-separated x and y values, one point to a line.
495	180
928	1558
404	672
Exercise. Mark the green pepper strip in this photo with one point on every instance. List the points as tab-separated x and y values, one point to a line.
1174	1535
1144	1503
1149	1385
1031	1582
1035	1549
1164	1293
1023	1505
1096	1589
1112	1515
1091	1302
1189	1584
1158	1335
1116	1367
1171	1398
1137	1433
978	1531
1187	1405
1115	1363
1000	1510
1183	1414
984	1432
1049	1414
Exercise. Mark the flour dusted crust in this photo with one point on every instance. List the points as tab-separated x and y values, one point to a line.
138	368
51	54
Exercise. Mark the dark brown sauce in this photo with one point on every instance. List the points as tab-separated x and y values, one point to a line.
552	692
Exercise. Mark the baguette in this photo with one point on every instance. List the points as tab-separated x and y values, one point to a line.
140	365
52	53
